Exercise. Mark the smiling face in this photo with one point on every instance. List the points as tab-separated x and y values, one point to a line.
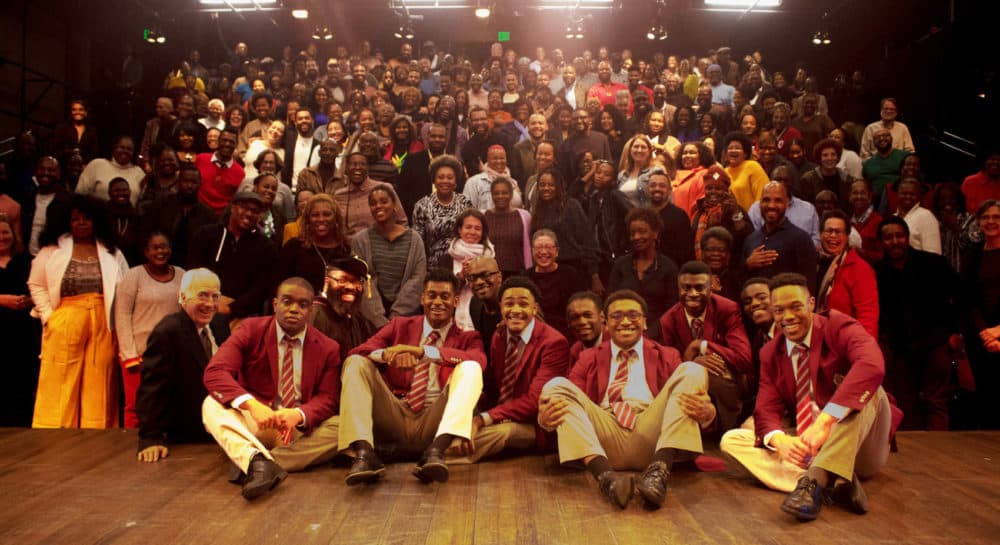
545	156
382	206
641	152
909	195
860	197
517	308
119	193
157	251
502	195
626	322
439	301
357	169
833	236
774	203
604	176
321	220
989	223
694	290
267	188
496	159
792	308
201	300
895	241
484	278
471	230
658	189
756	302
445	181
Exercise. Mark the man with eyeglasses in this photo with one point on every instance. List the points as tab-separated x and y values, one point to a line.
899	132
336	310
484	278
628	404
240	255
274	393
168	403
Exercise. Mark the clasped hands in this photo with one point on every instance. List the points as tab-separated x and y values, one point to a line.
698	406
711	361
403	356
284	420
802	449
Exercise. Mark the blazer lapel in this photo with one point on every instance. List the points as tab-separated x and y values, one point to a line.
308	349
708	327
816	353
271	347
603	368
651	363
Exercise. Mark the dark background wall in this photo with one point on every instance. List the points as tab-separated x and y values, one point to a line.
934	55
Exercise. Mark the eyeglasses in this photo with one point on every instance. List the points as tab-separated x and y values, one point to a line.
834	232
632	315
481	276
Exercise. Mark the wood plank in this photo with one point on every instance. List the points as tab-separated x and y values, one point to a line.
85	486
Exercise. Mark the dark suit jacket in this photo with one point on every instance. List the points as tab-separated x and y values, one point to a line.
723	329
286	169
247	363
165	215
458	346
845	364
171	391
592	372
58	204
544	358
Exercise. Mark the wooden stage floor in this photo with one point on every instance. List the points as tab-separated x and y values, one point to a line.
81	487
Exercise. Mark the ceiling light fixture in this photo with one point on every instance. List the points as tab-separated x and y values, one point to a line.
300	13
322	32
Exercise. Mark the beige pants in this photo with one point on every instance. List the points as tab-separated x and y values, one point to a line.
589	430
237	433
368	408
492	440
857	444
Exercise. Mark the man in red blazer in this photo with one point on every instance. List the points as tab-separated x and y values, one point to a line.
524	355
628	403
585	320
415	383
826	373
708	329
273	391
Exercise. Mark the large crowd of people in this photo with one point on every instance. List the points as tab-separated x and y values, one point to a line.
614	257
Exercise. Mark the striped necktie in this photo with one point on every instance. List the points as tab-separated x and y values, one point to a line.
623	412
417	396
803	399
511	366
287	375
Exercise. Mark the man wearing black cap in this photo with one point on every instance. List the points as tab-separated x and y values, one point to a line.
335	311
240	255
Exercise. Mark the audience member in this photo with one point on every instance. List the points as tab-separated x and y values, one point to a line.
336	311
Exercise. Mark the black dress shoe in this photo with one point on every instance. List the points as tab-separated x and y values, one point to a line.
367	468
851	495
653	484
805	501
235	475
616	487
431	467
262	477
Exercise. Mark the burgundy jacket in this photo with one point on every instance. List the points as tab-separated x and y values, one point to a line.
592	372
458	346
723	329
855	292
544	358
845	363
247	363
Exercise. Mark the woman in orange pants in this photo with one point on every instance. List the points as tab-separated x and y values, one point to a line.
72	284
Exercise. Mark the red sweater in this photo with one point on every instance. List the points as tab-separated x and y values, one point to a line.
218	184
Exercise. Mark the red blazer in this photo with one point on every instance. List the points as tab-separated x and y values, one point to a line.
845	363
592	372
544	358
855	292
723	329
458	346
247	363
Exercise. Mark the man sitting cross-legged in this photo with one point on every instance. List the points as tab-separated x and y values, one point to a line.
824	375
628	403
273	391
415	384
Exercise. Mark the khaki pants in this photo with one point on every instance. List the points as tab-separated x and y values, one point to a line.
76	378
589	430
857	444
370	410
492	440
237	433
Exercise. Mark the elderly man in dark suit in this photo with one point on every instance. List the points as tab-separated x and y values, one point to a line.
824	374
414	384
525	354
628	403
168	403
708	329
274	392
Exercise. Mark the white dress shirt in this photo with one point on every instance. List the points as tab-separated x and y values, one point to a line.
636	392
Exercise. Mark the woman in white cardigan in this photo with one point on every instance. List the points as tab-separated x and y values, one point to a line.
72	284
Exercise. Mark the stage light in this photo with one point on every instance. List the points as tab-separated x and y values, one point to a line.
300	13
569	32
651	33
154	35
482	11
321	32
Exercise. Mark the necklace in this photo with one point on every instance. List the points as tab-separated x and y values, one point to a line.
121	227
321	258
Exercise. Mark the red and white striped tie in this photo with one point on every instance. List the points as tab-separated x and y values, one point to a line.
511	365
623	412
417	395
803	399
287	374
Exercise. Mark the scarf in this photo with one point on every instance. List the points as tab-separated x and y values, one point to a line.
461	251
492	174
826	286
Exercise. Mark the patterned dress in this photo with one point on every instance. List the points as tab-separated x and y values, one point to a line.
435	223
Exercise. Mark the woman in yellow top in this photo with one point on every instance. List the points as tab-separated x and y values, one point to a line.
748	178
